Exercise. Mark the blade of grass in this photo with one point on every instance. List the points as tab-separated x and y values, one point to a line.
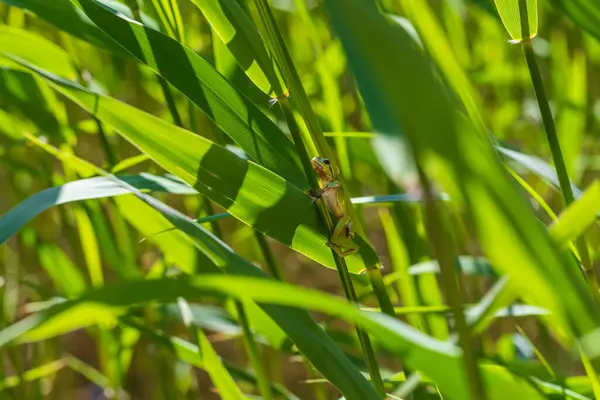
399	90
226	385
241	37
440	361
315	140
585	14
528	12
32	374
208	166
200	82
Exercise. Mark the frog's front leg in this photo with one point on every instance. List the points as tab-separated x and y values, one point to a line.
342	238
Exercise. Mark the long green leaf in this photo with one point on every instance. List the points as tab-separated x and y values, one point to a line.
578	216
65	16
585	13
65	275
247	191
223	381
309	338
231	111
510	13
440	361
403	94
241	37
33	374
42	52
85	189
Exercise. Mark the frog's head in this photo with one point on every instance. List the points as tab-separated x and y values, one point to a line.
322	167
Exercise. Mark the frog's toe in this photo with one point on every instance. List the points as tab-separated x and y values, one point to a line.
314	193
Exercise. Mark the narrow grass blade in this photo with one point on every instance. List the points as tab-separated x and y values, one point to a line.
86	189
246	190
32	374
510	14
219	375
65	275
577	216
584	13
236	30
46	54
89	247
538	166
403	95
231	111
170	18
438	45
63	15
438	360
175	246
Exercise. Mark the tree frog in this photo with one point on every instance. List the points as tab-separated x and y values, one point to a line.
341	239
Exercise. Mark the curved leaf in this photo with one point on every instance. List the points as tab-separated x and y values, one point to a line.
241	37
85	189
249	192
45	54
585	14
403	93
440	361
230	110
510	13
65	16
577	216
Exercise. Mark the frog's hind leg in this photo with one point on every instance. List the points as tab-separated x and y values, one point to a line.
343	230
352	248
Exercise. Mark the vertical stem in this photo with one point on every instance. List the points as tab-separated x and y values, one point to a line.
290	120
385	303
170	101
446	255
110	156
342	268
249	342
553	142
268	256
319	144
363	337
259	369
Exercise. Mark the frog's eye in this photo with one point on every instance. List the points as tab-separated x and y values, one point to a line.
326	161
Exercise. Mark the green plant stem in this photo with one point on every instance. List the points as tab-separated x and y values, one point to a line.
290	75
554	144
380	291
290	120
548	121
318	142
259	369
214	224
110	155
447	258
170	101
342	268
251	347
268	257
363	337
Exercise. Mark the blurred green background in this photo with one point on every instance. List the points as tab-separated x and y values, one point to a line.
59	251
